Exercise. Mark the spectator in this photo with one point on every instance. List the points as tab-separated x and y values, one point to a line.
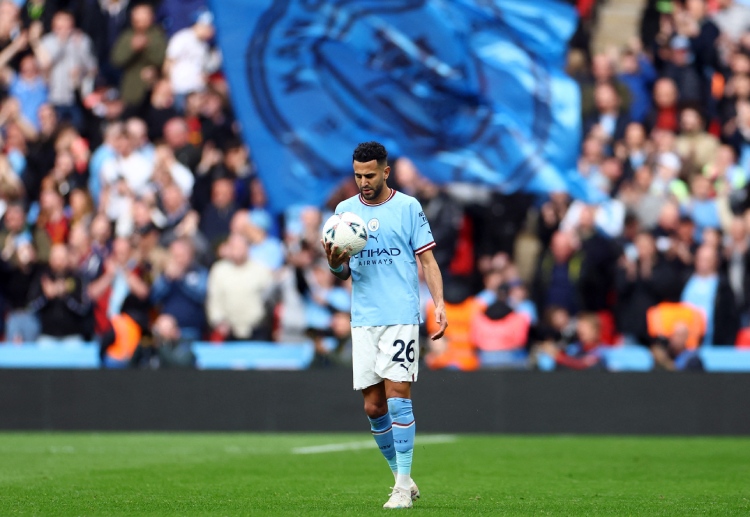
11	188
217	217
237	292
446	215
122	177
159	110
557	275
665	113
63	177
585	352
168	171
41	152
19	265
701	207
145	235
176	137
642	281
518	299
680	68
694	144
123	281
732	19
638	74
11	39
139	53
181	290
264	248
236	161
16	149
455	349
105	152
137	131
672	354
103	21
52	216
736	254
633	149
667	182
87	260
215	121
602	71
180	221
727	178
499	327
166	350
30	89
608	118
57	297
638	199
118	344
66	55
190	59
551	214
710	292
598	257
556	330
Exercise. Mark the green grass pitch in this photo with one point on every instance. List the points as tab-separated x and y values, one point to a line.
341	474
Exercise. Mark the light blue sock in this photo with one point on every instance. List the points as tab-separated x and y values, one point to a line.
404	430
382	431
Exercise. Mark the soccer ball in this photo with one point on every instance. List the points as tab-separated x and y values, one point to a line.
346	230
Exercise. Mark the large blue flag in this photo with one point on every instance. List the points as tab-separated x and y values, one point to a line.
470	90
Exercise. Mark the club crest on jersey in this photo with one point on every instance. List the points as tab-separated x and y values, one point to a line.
373	225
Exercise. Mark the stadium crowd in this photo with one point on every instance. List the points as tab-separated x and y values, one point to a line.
132	214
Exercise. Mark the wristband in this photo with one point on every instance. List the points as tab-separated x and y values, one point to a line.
338	269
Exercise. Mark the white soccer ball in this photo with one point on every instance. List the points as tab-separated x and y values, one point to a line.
346	230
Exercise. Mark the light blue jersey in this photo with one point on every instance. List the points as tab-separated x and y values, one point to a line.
385	286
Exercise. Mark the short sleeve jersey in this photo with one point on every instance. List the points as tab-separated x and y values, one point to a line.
385	285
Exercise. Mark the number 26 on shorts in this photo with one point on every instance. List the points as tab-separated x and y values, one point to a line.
398	357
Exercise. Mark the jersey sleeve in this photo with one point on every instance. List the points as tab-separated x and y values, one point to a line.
421	234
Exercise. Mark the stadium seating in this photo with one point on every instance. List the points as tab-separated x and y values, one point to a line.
724	359
254	356
504	359
628	358
234	356
32	355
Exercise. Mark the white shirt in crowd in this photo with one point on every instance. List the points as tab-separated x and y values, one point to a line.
236	295
192	59
72	60
135	170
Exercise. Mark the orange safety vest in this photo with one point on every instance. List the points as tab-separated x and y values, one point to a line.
459	352
662	319
127	336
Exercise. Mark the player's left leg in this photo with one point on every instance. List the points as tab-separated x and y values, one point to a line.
404	430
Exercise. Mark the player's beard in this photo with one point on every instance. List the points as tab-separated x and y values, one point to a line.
374	194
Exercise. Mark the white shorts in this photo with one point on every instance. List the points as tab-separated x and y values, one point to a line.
385	352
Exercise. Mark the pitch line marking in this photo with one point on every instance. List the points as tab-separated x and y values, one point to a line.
370	444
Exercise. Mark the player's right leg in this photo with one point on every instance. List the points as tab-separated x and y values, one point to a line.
364	353
381	425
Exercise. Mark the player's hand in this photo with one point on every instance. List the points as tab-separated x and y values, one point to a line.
335	256
441	320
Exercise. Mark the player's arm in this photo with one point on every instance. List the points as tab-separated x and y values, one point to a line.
338	260
435	284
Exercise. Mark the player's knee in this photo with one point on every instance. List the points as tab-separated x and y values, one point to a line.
375	409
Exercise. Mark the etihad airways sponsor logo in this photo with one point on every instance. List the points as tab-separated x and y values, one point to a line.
377	252
376	256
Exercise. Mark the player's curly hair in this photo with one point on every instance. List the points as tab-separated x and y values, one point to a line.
367	151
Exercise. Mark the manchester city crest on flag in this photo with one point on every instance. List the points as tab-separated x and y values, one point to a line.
470	90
